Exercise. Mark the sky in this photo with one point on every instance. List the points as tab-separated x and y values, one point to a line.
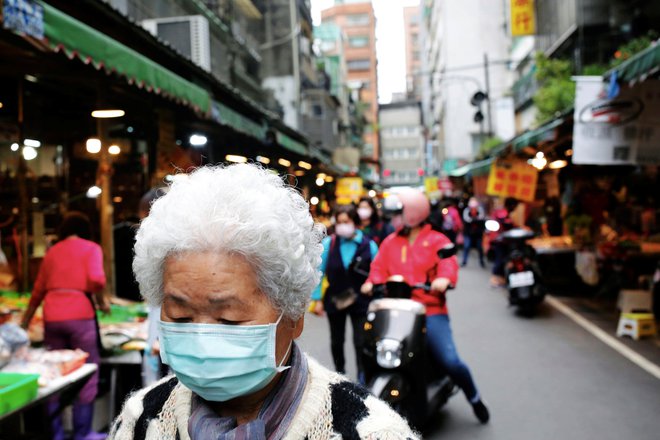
390	43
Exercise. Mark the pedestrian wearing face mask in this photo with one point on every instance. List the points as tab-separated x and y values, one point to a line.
371	223
474	220
347	255
231	256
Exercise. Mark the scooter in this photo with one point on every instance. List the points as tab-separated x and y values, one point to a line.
521	270
397	364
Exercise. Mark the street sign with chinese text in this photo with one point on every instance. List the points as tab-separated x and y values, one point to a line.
620	131
512	179
349	189
523	18
23	16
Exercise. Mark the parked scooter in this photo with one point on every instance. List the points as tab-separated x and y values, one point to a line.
521	270
396	360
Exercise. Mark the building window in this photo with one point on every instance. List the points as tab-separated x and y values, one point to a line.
363	64
358	41
317	110
327	46
358	20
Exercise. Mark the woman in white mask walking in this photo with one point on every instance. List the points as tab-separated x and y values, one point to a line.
370	221
231	255
347	255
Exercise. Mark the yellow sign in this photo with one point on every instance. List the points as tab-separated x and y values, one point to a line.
512	179
431	187
523	18
349	189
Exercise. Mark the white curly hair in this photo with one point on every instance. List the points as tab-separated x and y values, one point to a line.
240	209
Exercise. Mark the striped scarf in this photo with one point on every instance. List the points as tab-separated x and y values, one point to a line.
274	417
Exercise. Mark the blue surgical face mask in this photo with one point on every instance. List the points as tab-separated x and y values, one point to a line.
221	362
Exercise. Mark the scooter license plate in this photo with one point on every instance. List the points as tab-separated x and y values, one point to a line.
521	279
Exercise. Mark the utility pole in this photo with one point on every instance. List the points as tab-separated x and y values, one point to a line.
488	97
106	211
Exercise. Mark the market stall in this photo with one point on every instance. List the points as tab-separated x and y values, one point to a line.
30	375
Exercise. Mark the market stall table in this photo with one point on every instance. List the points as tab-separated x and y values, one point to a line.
66	387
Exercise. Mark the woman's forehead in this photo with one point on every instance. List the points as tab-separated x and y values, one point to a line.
216	276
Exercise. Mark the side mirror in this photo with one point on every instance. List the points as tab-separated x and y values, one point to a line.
447	251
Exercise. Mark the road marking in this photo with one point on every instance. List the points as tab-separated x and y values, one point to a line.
606	338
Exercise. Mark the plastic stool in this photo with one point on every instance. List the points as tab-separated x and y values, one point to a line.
636	325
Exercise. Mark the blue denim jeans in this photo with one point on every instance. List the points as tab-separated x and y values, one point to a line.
469	242
442	347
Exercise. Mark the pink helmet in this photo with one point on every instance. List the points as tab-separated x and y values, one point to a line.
416	207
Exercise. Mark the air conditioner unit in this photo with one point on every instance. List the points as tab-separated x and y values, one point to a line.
188	34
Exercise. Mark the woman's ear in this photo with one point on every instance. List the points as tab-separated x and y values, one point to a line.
297	327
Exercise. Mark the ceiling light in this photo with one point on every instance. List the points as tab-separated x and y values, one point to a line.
93	145
31	78
321	176
235	158
93	192
29	153
263	160
106	114
372	193
284	162
569	152
557	164
1	105
539	162
14	147
198	140
299	173
320	182
305	165
114	150
117	199
329	179
32	143
314	200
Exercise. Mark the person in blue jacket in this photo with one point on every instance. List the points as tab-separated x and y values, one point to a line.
346	258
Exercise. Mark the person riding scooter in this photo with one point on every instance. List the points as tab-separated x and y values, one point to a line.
412	253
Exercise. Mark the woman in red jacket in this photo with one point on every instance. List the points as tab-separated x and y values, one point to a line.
70	273
412	253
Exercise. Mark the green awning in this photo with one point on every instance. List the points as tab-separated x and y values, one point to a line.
291	144
533	137
320	156
224	115
642	64
76	39
473	169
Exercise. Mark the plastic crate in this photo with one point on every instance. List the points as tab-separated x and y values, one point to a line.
16	390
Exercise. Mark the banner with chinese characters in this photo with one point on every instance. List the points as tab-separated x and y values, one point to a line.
624	130
513	178
523	18
349	189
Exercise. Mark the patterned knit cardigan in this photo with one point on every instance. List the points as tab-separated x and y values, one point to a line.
331	408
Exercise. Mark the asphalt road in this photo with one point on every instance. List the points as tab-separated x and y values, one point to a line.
543	378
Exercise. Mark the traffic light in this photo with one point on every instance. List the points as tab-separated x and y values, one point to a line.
476	101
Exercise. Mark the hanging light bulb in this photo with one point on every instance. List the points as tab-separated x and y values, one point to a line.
93	145
29	153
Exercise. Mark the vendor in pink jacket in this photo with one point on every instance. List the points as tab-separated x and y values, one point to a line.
412	253
70	273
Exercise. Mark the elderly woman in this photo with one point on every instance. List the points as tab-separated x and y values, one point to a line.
231	255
